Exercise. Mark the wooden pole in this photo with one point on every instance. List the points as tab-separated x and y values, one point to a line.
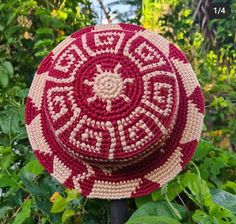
118	211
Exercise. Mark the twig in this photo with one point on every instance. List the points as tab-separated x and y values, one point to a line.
196	11
104	10
20	207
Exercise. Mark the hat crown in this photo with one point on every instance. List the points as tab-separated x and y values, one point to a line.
105	98
111	97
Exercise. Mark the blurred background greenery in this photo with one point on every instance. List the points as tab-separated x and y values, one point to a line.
204	193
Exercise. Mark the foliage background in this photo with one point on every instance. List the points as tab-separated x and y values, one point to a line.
204	193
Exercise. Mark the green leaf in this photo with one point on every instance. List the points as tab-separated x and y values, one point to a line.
198	187
78	10
7	182
67	214
21	134
1	28
41	53
24	212
33	167
172	188
212	167
59	205
205	168
219	102
10	18
43	43
140	201
224	199
202	150
156	195
7	160
221	214
23	93
4	209
5	149
71	194
45	187
159	208
152	220
4	78
230	187
8	66
10	120
43	220
219	163
201	217
41	31
62	15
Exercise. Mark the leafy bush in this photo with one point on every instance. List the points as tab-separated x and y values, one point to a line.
29	30
202	194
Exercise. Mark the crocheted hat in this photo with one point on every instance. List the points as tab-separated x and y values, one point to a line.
114	111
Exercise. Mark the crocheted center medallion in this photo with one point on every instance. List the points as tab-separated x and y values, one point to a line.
107	101
108	85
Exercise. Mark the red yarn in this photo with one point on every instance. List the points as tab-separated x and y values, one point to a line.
114	111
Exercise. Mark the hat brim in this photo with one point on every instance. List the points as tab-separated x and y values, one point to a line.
131	181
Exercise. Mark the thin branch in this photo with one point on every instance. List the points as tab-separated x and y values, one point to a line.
104	10
196	11
16	212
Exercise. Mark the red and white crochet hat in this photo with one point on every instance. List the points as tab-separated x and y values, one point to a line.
114	111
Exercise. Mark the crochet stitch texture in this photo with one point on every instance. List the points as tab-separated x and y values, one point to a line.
114	111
